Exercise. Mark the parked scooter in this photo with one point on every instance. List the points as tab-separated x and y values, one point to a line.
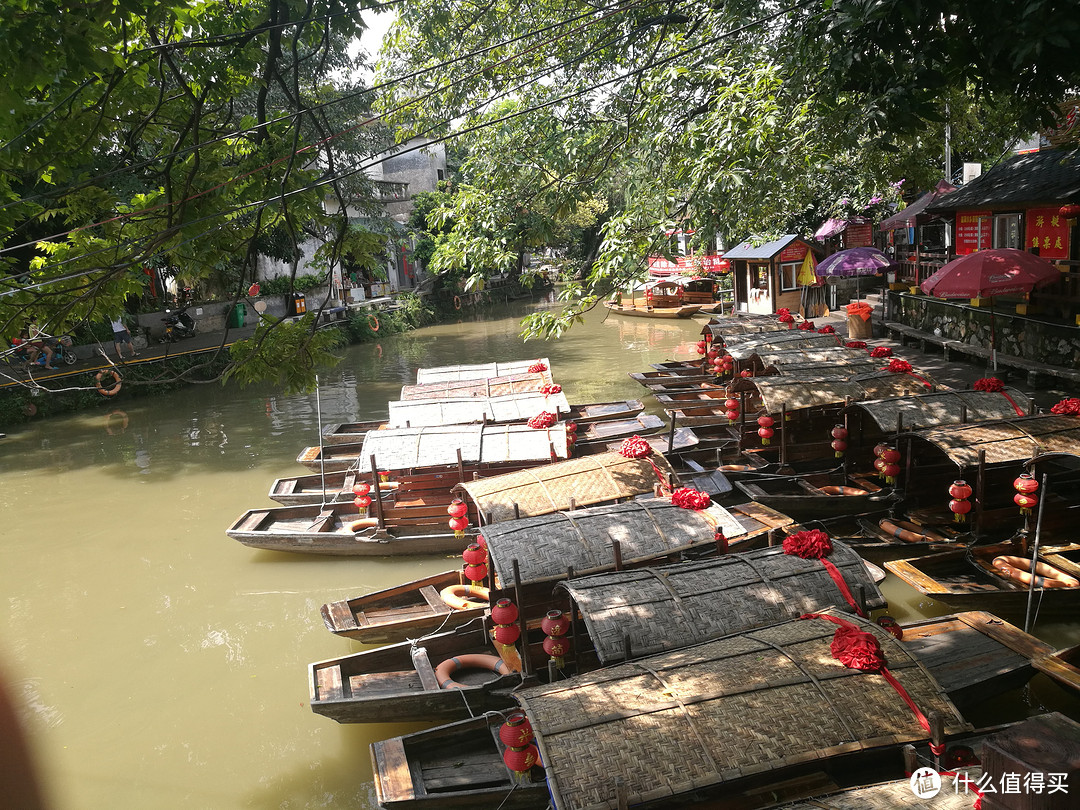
178	325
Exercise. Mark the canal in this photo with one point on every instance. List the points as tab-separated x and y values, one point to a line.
158	663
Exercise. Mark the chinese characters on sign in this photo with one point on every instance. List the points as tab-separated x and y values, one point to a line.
859	236
1047	230
926	783
795	252
973	231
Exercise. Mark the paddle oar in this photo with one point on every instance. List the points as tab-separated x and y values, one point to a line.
1035	554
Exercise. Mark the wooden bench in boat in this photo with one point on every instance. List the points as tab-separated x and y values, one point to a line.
435	602
253	521
342	616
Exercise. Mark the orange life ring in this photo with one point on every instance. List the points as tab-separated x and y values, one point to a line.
457	302
457	596
113	389
373	323
899	530
1018	569
110	425
832	489
363	523
451	665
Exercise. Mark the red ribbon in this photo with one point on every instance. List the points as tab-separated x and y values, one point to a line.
888	676
841	583
1013	403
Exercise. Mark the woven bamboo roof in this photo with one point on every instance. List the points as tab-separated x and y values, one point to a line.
491	387
510	408
1007	441
944	408
556	487
815	370
707	715
479	371
545	546
742	325
671	606
830	356
437	446
776	341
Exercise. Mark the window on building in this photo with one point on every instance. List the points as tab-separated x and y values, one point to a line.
1007	232
439	173
789	273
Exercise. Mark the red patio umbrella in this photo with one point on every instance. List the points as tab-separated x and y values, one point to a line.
988	273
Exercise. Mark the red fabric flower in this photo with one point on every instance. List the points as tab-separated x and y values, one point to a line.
780	313
1067	407
857	649
810	545
544	419
991	384
537	367
827	330
551	389
881	351
806	326
635	447
856	344
899	366
689	498
787	317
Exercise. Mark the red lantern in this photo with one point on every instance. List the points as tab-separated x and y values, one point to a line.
731	404
459	525
474	554
1025	501
362	502
700	347
517	731
960	490
1070	211
840	432
766	435
555	623
1026	483
765	421
880	464
476	573
521	760
361	489
712	354
959	508
504	612
765	428
891	455
839	445
457	508
890	472
880	448
557	648
507	634
746	373
731	416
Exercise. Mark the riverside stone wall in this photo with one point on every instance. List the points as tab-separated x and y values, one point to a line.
1017	335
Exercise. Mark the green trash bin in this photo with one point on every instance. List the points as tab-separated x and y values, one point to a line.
236	316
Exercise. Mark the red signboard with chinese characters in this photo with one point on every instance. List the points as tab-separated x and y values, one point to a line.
795	252
1047	230
859	236
974	231
686	265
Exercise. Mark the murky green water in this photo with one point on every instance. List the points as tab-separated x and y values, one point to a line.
159	663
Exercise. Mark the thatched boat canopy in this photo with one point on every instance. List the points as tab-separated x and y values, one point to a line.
480	371
557	487
438	446
1005	442
778	392
741	325
944	408
462	411
545	546
775	341
718	712
830	355
815	370
673	606
491	387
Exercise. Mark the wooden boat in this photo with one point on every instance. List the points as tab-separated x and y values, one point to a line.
817	496
478	371
468	447
355	432
611	429
1063	666
529	555
329	530
684	311
663	379
684	440
968	578
724	720
624	614
677	367
895	537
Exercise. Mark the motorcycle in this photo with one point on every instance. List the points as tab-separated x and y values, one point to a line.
178	325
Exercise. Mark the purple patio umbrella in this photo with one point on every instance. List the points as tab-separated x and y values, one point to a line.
860	261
